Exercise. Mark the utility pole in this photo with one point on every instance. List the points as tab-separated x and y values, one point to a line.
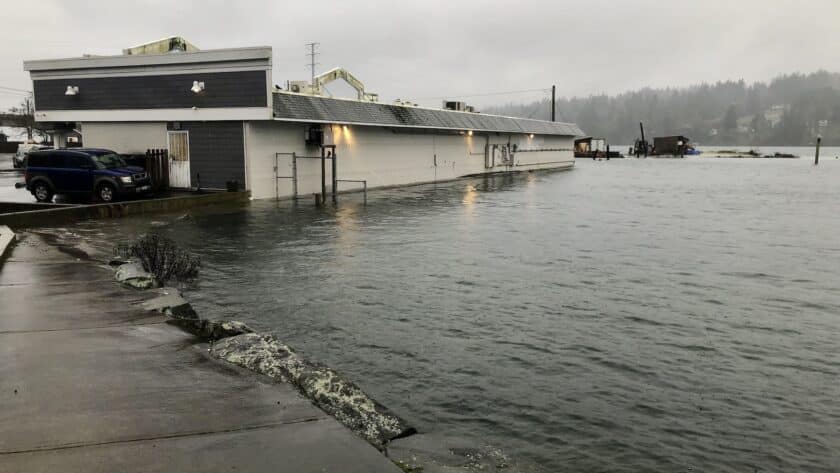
553	102
313	53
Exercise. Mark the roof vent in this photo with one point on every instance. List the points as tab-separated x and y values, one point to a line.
300	87
453	105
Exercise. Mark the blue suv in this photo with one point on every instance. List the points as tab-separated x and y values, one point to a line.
99	172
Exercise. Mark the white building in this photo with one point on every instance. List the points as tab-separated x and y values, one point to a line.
222	120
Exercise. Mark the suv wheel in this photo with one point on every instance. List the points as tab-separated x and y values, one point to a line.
105	193
42	192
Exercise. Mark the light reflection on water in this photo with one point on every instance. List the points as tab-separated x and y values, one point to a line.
625	316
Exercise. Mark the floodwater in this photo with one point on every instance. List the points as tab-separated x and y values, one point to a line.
629	315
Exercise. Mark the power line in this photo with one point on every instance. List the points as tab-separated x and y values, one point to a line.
487	94
14	94
312	55
12	89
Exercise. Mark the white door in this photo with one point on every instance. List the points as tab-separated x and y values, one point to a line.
179	159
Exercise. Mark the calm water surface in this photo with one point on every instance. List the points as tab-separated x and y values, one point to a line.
631	315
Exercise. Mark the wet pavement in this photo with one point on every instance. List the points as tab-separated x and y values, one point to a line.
91	382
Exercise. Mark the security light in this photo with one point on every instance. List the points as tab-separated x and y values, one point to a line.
197	86
72	90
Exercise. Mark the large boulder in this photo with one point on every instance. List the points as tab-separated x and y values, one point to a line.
133	275
337	396
218	329
171	303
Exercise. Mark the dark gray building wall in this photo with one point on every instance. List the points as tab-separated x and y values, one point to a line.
217	152
222	89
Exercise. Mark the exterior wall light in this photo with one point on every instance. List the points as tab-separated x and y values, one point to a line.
197	87
72	90
531	135
469	133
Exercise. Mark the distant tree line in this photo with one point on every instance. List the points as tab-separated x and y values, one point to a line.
789	110
23	116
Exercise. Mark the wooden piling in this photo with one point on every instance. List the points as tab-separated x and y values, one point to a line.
323	176
817	156
644	143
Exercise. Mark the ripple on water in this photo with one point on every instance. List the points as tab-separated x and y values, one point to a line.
648	345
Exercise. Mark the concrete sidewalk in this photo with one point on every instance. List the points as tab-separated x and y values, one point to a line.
89	382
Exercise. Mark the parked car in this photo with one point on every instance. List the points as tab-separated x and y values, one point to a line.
99	172
19	159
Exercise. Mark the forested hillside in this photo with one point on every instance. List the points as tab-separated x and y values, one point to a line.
786	111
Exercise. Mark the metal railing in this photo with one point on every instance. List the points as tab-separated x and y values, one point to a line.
358	181
328	152
277	177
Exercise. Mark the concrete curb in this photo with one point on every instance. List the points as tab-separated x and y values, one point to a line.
7	239
71	214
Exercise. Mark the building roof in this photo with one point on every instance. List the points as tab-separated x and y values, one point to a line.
314	109
262	53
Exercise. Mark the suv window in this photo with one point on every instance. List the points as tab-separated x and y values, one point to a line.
44	159
108	161
77	161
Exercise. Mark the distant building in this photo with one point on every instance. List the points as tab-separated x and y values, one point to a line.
774	114
222	120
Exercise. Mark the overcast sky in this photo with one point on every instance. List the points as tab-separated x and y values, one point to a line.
424	50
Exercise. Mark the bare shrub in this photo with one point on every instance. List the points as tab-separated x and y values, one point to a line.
161	257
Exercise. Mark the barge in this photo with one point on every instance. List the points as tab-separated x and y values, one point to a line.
676	146
750	154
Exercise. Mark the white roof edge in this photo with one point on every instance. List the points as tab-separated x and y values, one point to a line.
424	127
425	108
121	60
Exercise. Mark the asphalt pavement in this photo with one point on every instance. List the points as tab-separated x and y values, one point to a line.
8	177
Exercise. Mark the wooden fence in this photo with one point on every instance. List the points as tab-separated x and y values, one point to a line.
157	165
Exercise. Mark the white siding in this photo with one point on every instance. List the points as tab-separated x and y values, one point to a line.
124	137
386	158
262	140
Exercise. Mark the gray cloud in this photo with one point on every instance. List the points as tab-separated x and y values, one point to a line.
423	50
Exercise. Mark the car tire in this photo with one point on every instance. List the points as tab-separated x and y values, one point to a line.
106	193
42	192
